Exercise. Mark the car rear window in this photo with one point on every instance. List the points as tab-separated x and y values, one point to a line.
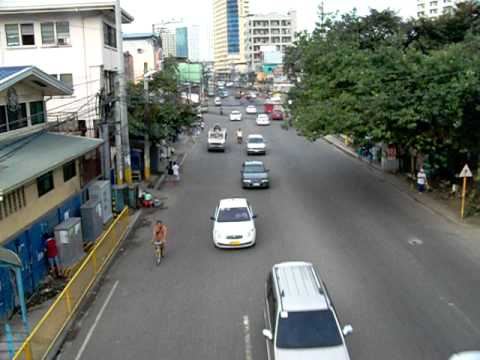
308	329
255	140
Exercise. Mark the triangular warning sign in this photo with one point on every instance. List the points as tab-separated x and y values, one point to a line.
465	172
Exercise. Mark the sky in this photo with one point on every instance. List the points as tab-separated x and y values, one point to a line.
199	12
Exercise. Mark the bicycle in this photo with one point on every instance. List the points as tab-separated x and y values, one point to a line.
159	253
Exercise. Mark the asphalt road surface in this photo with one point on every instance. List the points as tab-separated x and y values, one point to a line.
407	280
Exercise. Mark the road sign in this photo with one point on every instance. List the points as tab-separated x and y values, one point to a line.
466	172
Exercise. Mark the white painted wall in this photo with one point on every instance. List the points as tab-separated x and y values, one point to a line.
84	57
142	51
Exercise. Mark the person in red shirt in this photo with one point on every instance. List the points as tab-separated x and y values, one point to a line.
52	254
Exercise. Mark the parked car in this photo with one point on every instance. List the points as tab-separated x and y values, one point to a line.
255	175
277	115
218	101
256	144
234	224
235	115
300	319
262	120
251	109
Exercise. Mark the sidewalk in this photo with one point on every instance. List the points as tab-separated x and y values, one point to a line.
448	209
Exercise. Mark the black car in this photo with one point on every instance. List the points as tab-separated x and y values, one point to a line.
255	175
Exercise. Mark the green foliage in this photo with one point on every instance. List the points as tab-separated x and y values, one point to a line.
166	112
415	84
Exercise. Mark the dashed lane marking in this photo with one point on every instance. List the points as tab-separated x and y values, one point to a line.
247	337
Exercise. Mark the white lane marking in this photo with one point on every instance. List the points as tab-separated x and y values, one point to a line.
248	340
95	323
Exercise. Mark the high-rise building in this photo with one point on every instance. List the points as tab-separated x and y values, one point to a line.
194	43
181	35
168	37
272	30
434	8
229	18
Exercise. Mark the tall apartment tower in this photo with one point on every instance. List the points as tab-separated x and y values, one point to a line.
229	17
273	30
434	8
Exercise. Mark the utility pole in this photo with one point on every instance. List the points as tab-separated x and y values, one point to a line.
147	121
121	106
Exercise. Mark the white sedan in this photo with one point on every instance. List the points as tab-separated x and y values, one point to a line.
235	115
256	145
262	119
234	224
251	109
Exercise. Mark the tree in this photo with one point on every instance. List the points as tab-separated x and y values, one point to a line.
166	113
412	83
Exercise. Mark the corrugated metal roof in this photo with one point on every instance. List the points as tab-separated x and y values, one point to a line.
7	71
27	157
139	36
10	75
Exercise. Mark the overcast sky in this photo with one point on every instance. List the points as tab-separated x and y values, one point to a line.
199	12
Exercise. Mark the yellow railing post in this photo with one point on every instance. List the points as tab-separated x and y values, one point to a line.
68	299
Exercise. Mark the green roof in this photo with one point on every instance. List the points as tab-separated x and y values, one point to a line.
25	158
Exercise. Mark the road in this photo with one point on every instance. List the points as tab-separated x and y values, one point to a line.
406	279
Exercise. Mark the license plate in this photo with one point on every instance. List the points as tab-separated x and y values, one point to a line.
256	184
235	242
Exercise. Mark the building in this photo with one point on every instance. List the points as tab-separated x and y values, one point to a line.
167	37
229	18
434	8
72	40
181	35
194	43
146	52
43	173
128	61
277	30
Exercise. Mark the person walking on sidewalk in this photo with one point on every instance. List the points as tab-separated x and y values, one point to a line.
421	180
176	170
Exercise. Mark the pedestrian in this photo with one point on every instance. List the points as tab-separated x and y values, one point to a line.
421	180
52	254
170	168
176	170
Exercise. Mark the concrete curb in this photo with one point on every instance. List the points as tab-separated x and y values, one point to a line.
57	347
434	208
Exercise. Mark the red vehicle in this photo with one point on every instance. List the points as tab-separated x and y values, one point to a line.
268	106
277	115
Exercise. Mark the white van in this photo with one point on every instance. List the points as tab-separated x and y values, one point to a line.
300	318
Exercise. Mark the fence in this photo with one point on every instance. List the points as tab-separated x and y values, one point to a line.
47	331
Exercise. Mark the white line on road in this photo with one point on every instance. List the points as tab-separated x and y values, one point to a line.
95	323
248	341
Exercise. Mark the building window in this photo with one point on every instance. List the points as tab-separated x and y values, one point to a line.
67	79
28	35
17	118
12	202
20	34
3	119
57	33
109	35
13	35
37	112
69	171
45	183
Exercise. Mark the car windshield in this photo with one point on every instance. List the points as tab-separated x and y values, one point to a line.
235	112
254	169
233	215
308	329
255	140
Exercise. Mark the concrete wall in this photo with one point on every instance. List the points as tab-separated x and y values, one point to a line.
142	51
39	206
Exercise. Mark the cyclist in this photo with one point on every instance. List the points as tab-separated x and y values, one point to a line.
159	238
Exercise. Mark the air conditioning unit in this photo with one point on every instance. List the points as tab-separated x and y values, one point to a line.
61	41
